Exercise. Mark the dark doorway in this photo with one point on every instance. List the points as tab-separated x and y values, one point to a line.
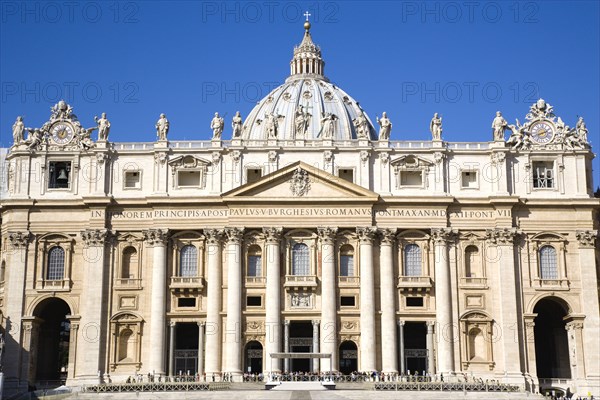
186	349
254	357
301	336
551	344
415	347
52	344
348	357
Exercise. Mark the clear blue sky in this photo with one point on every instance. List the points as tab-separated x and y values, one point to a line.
188	59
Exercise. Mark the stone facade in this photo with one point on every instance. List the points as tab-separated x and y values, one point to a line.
207	256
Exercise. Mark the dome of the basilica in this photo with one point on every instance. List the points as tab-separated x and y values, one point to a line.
307	105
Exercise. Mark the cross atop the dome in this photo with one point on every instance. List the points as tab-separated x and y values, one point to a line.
307	14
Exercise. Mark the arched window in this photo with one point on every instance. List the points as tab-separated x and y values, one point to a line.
56	264
548	265
254	261
130	261
412	260
300	259
188	261
347	260
472	263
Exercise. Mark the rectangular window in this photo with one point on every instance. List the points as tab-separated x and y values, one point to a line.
346	174
414	302
253	301
186	302
543	174
254	266
132	180
469	180
348	301
59	174
411	178
188	178
253	175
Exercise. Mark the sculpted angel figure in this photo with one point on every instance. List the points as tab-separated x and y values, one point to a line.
162	127
362	126
18	129
103	127
328	125
217	124
85	138
236	125
499	125
435	126
34	138
385	127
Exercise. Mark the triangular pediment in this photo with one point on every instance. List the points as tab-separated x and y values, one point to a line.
301	182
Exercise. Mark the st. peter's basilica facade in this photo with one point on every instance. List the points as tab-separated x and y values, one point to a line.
309	230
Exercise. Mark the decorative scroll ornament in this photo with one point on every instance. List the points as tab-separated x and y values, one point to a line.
234	235
587	238
18	239
272	235
387	235
502	236
156	237
497	157
213	236
442	235
94	237
543	129
160	158
366	233
300	182
272	156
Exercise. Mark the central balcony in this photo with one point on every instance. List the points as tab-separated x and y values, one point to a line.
187	282
297	281
414	283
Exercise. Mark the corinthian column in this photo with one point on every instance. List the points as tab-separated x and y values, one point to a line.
273	301
213	307
16	254
443	301
93	304
368	347
328	299
510	316
157	239
389	349
233	334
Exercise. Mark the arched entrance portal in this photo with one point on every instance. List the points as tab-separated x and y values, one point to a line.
551	344
254	357
348	357
51	356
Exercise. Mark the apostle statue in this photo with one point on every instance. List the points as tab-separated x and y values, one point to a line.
236	125
435	126
328	125
362	126
217	124
18	129
581	130
499	125
162	128
385	127
103	127
271	125
301	121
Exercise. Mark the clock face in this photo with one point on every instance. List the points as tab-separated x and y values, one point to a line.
542	132
62	133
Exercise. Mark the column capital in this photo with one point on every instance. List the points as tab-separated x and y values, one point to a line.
201	324
316	322
272	234
172	324
327	234
286	322
366	234
502	236
234	235
387	235
573	325
443	235
213	236
401	322
94	237
587	239
156	237
18	240
430	324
